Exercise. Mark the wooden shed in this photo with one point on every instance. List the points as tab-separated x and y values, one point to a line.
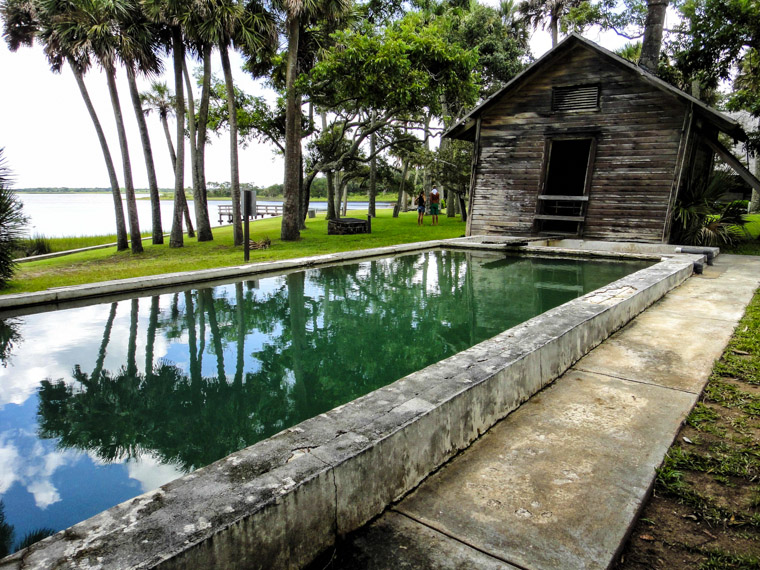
585	143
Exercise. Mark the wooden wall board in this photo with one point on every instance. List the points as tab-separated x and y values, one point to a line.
637	129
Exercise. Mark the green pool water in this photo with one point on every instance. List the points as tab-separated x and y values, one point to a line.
102	403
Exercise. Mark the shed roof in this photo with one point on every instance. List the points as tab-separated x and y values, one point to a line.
465	128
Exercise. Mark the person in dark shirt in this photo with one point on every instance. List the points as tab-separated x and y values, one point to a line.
420	203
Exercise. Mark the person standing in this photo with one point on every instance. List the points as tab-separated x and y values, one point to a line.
420	203
435	205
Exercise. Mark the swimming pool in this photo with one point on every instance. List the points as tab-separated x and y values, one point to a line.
104	402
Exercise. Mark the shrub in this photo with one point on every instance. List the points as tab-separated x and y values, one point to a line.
35	245
700	218
12	223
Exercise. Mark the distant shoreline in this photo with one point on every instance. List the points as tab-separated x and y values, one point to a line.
142	195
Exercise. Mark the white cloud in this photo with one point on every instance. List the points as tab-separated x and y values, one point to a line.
151	473
9	461
45	494
25	460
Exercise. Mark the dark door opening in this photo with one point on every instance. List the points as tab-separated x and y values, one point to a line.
568	163
562	204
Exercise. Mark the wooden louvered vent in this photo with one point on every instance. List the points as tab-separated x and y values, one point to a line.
575	98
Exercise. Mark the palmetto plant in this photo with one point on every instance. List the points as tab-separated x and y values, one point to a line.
12	223
700	218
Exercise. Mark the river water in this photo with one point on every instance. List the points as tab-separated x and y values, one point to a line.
59	215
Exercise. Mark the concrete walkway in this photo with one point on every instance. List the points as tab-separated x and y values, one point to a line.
559	482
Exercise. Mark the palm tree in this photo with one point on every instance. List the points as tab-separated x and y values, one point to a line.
173	14
27	21
93	27
228	23
161	100
140	53
536	12
201	196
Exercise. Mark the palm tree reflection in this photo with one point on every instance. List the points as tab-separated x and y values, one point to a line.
309	342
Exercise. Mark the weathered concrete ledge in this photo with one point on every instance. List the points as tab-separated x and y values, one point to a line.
61	295
280	502
66	297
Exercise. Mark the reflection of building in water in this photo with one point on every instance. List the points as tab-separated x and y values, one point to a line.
523	287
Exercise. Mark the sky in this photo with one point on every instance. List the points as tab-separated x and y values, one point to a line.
50	141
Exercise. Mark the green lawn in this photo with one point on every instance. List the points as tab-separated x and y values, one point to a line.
751	247
107	264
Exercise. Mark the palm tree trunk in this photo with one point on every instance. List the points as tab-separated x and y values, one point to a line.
122	242
237	218
132	341
653	28
155	200
754	203
554	28
176	238
191	128
151	339
330	180
202	219
104	343
289	231
188	218
165	123
134	222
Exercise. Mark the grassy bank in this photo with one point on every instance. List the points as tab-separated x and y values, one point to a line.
705	510
107	264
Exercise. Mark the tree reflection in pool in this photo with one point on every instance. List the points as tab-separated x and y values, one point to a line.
158	386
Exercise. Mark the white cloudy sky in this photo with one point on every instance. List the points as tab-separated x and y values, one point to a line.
50	141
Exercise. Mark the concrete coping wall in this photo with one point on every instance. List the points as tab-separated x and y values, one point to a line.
282	501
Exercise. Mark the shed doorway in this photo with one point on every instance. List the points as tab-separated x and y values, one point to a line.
562	202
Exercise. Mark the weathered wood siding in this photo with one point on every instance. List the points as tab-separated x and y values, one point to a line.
638	132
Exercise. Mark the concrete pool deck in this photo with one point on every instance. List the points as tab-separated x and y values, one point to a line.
560	481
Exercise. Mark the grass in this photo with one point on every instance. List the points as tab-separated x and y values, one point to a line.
705	511
750	246
108	264
77	242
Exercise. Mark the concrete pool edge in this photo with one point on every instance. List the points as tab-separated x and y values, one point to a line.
61	295
279	502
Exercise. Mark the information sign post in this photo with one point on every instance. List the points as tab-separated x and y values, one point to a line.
249	209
